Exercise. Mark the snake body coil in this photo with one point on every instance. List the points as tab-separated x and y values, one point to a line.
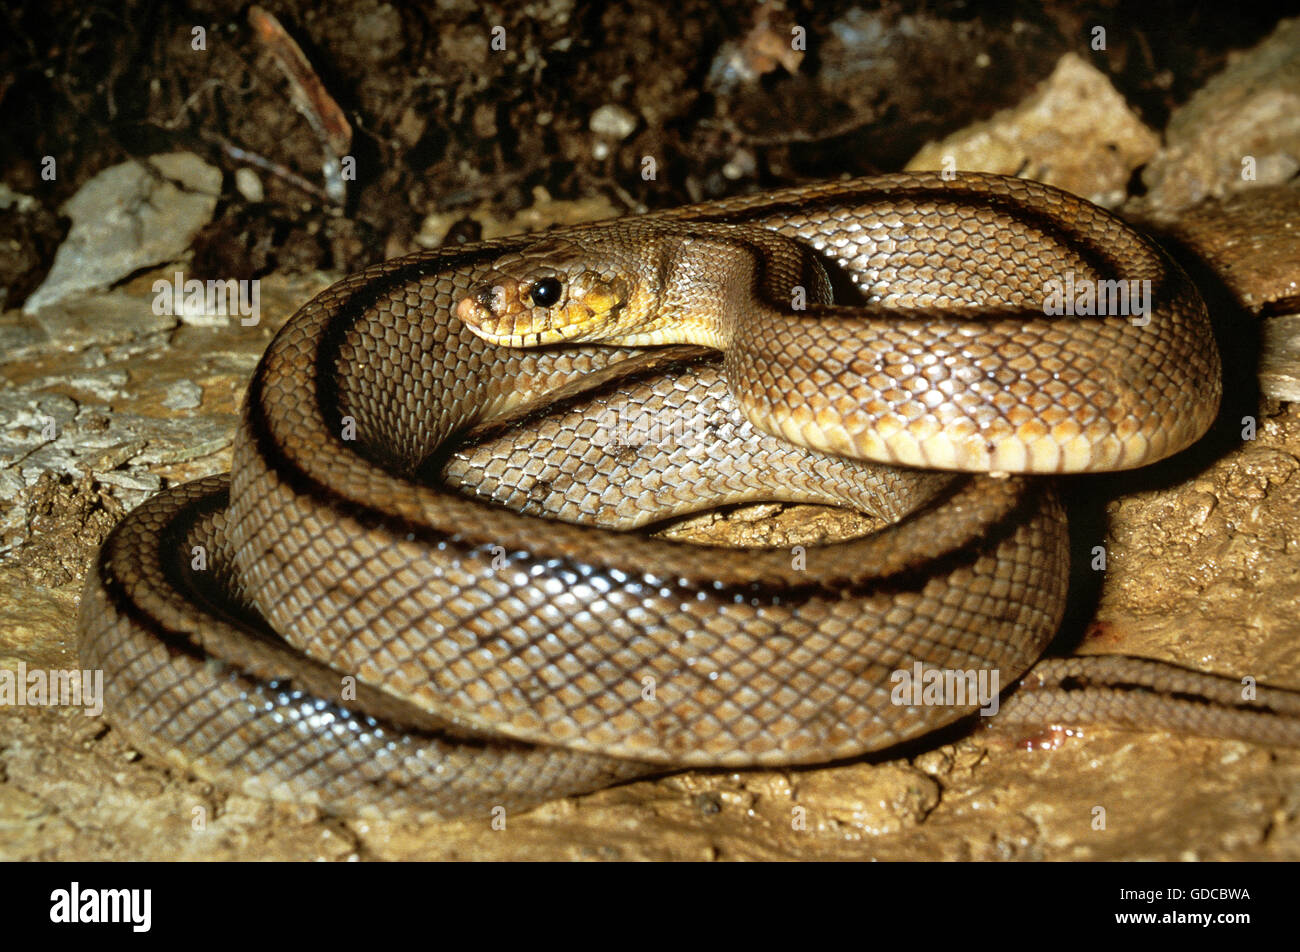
333	623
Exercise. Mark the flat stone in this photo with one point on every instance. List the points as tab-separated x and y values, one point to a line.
140	482
128	217
1279	362
104	383
1250	111
1251	240
18	339
183	395
100	319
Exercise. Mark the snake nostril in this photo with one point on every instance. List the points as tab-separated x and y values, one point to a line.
487	296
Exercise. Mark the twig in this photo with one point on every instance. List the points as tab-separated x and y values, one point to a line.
309	97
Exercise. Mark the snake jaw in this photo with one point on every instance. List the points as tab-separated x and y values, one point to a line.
500	311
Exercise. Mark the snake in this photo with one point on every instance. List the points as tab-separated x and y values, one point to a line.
431	584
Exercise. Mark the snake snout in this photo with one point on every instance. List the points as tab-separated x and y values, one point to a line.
486	305
494	298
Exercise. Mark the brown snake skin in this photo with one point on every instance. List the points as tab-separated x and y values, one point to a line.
443	651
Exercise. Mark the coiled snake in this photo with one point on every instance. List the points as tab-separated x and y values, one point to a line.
335	623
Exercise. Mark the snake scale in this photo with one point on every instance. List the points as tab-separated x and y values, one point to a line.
418	590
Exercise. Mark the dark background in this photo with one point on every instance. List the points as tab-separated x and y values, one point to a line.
443	123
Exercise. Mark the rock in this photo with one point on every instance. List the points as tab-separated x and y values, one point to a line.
183	395
1252	243
1075	132
81	321
249	185
1279	362
129	217
1250	111
612	121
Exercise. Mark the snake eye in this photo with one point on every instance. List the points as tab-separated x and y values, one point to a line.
546	292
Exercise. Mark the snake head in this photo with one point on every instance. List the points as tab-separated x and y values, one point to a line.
555	290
